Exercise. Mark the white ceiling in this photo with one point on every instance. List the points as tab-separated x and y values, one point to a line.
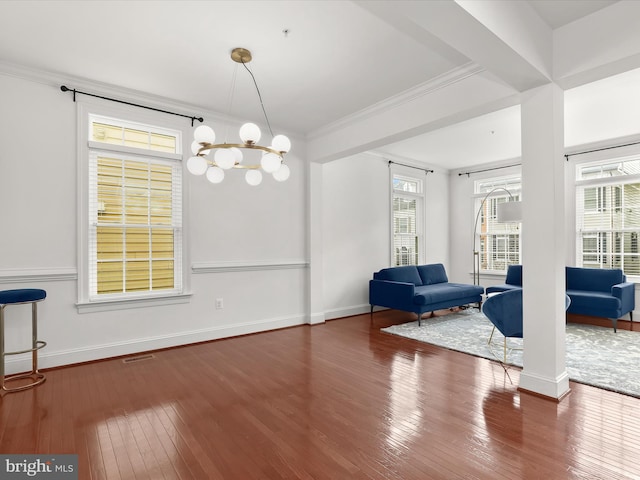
337	58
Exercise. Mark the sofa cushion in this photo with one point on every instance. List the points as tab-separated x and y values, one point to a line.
593	279
444	292
584	301
434	273
505	287
406	274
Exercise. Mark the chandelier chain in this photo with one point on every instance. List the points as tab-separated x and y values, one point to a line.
230	99
259	96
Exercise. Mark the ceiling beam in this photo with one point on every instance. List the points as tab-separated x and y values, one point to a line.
508	39
598	46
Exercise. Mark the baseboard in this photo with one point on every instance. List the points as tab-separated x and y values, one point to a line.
316	318
22	363
347	311
555	388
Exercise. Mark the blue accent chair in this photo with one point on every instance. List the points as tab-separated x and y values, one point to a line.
504	310
512	282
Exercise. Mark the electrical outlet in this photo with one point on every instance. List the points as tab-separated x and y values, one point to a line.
219	303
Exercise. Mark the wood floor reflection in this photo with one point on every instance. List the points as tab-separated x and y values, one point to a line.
334	401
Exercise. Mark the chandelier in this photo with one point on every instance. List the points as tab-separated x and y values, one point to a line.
228	156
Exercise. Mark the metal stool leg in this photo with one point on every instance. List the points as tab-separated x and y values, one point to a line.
36	377
2	347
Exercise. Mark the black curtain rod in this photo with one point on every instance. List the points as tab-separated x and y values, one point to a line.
67	89
425	170
489	169
599	150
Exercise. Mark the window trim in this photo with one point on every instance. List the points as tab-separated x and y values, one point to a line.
501	181
419	196
97	108
601	235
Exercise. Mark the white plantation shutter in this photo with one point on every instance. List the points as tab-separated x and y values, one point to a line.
498	243
408	224
405	235
135	211
608	214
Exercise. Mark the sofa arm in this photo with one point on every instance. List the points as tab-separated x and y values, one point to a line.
386	293
626	292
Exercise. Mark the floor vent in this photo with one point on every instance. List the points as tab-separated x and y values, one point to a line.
139	358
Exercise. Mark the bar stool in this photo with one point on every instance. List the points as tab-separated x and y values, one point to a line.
20	297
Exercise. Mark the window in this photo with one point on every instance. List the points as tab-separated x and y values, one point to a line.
407	220
134	227
498	244
608	214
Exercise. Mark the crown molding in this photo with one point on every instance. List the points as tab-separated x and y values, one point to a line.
57	79
405	161
442	81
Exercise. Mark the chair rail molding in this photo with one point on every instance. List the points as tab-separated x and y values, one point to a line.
30	275
234	266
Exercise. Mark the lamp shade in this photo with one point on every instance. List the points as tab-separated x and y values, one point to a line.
509	212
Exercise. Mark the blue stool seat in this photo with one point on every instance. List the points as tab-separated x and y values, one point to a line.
18	297
22	295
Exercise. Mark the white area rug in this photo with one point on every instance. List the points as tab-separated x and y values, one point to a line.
595	355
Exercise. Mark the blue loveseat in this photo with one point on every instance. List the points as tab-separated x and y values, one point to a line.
419	289
593	291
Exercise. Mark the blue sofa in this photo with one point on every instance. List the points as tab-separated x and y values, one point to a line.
593	291
420	289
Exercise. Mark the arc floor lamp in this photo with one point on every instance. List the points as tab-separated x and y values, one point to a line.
506	212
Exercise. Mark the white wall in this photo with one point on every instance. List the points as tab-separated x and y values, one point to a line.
438	220
248	245
355	225
356	228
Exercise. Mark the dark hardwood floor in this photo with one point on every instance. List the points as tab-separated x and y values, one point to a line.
335	401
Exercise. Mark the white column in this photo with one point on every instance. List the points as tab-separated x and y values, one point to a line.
543	242
315	279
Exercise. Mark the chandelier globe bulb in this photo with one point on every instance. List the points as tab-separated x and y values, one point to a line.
253	177
250	133
270	162
197	165
282	173
215	174
281	143
195	149
224	158
204	134
237	155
